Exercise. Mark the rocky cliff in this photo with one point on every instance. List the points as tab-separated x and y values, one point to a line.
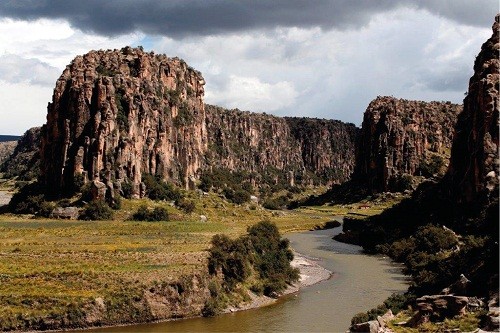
399	137
474	166
24	162
117	115
295	150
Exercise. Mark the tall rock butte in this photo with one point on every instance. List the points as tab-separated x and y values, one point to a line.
474	165
399	137
118	114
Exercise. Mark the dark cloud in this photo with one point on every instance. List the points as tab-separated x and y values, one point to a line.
179	18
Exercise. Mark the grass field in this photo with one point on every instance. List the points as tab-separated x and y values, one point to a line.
49	266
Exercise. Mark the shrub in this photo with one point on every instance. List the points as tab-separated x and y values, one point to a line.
278	203
187	206
145	214
96	210
126	191
261	249
157	189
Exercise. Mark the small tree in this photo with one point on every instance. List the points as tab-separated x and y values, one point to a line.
96	210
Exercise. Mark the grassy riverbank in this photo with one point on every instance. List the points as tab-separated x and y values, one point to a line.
54	269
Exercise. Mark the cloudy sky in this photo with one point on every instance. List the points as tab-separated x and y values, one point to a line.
314	58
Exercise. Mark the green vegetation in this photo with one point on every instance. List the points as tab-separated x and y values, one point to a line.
184	115
145	214
157	189
396	303
104	71
122	112
96	210
261	256
186	205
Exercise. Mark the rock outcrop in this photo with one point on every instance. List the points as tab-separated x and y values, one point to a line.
474	164
6	149
399	137
117	115
304	150
24	162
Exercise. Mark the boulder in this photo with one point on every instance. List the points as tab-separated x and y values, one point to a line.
69	213
438	307
371	326
98	190
384	319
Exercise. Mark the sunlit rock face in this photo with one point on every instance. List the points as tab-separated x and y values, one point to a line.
401	136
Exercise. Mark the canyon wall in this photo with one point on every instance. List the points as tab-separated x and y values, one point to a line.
305	150
118	114
474	165
400	137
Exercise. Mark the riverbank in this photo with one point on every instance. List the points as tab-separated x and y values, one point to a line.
310	273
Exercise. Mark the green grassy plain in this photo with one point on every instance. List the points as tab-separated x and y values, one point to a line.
50	266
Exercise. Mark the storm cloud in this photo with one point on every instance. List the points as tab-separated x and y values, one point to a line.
182	18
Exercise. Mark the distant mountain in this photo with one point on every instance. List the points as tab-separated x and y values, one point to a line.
7	138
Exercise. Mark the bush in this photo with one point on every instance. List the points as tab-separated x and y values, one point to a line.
157	189
145	214
187	206
126	191
277	203
96	210
261	251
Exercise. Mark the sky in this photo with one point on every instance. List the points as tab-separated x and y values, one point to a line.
314	58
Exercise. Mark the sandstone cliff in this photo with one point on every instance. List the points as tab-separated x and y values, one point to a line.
117	115
295	150
403	137
24	162
474	167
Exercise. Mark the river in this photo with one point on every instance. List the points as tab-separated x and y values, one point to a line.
360	282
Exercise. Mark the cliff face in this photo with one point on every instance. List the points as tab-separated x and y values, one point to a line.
304	150
474	164
24	162
118	114
403	137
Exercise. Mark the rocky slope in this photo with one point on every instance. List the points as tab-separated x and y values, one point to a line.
294	150
116	115
399	137
24	162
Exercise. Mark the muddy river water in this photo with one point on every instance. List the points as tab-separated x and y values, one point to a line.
360	282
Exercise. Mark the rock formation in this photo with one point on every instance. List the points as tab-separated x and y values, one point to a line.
474	164
116	115
6	149
302	149
403	137
24	162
